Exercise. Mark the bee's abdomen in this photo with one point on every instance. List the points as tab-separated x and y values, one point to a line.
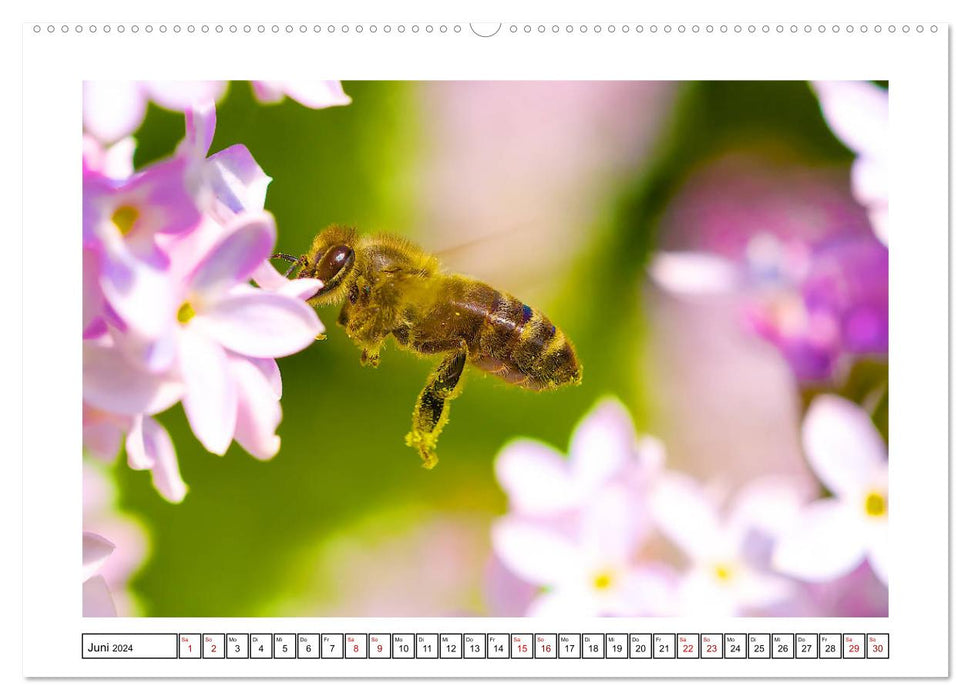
522	346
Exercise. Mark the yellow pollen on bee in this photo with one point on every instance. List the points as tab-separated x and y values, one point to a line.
875	504
603	581
185	313
124	218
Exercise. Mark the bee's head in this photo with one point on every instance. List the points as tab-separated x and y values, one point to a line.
330	260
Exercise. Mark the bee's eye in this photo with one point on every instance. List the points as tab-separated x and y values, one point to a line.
332	262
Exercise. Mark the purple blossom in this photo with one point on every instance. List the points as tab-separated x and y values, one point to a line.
799	257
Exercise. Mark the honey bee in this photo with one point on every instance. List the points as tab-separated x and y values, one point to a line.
388	286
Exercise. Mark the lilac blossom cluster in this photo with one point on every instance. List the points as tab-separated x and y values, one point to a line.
588	530
809	265
180	303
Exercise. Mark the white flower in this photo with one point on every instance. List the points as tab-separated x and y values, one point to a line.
541	482
832	536
720	579
592	571
858	113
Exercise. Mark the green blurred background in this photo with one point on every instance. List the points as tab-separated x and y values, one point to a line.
344	515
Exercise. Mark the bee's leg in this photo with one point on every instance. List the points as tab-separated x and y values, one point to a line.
431	411
371	357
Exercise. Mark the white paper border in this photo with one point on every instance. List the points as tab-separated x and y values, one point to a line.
916	64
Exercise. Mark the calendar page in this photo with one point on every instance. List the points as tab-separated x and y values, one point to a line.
439	348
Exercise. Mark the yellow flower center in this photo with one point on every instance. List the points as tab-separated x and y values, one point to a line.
875	504
723	572
603	581
185	313
124	218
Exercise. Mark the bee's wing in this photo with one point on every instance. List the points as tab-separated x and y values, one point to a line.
468	248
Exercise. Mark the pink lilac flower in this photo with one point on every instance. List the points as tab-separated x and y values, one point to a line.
809	276
596	571
221	321
121	223
169	311
832	536
722	579
858	112
315	94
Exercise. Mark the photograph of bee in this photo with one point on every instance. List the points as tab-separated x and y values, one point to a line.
663	305
388	287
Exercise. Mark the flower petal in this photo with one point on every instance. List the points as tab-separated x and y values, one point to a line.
316	94
149	447
683	512
237	181
534	477
111	383
164	200
267	277
92	300
178	95
879	554
564	603
534	553
260	324
651	456
271	372
247	243
602	444
769	505
112	109
200	128
139	293
842	444
96	598
101	435
259	410
757	590
870	179
210	396
648	590
609	526
165	472
95	550
687	273
825	544
858	112
139	455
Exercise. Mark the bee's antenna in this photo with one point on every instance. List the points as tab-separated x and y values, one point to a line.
289	258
